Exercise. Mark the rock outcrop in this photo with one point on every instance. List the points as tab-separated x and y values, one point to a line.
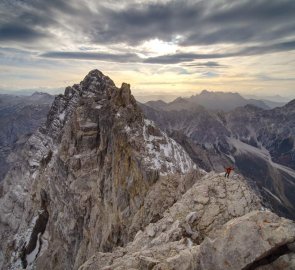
96	159
217	224
101	187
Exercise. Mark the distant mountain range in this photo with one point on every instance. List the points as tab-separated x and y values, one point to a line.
224	101
275	98
20	116
29	92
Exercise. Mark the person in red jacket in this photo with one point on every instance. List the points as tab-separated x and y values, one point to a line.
227	171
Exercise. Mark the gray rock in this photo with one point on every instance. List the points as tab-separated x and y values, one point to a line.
244	241
97	159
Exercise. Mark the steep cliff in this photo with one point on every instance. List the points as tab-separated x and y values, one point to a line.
85	176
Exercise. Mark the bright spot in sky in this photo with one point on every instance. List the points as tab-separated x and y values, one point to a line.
158	47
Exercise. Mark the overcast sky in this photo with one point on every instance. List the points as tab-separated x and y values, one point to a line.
159	47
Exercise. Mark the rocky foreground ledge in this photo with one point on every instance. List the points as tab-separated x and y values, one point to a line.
99	186
217	224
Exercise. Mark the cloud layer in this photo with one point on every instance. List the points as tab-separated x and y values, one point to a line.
187	23
191	34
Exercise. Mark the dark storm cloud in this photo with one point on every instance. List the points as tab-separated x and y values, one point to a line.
137	23
164	59
24	21
14	32
181	57
245	22
199	23
257	11
277	47
123	58
239	33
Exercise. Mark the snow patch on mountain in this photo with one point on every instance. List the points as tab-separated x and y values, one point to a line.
32	256
62	115
163	153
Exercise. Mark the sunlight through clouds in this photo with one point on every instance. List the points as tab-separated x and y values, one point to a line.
158	47
181	46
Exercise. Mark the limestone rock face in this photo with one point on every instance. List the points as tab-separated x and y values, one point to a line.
251	240
247	241
94	160
101	187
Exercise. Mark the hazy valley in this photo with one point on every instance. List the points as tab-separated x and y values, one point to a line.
20	116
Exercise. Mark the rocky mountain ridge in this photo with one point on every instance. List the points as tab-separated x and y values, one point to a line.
259	143
216	101
102	187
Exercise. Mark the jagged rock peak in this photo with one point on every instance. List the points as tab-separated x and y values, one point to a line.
98	85
98	96
96	74
96	159
96	82
95	86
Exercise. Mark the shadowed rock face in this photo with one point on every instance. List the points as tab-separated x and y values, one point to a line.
101	187
34	244
35	241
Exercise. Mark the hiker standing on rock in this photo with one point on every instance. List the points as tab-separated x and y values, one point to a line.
227	171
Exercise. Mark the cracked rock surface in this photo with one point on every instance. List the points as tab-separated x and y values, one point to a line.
212	208
252	241
223	211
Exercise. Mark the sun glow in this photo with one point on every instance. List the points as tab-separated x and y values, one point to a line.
158	47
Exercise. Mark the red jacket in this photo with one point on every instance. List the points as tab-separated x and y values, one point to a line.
229	169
